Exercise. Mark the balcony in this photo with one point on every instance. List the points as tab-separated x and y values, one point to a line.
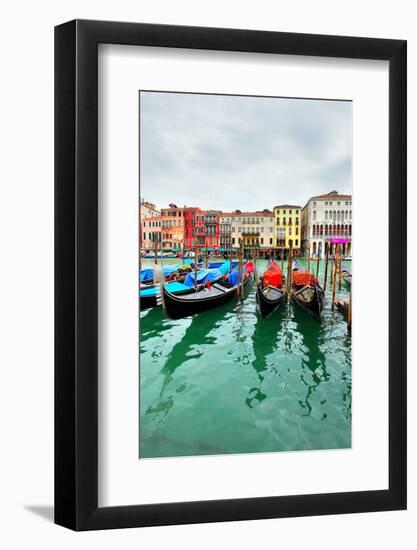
251	234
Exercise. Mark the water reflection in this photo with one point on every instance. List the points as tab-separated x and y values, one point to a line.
228	381
313	361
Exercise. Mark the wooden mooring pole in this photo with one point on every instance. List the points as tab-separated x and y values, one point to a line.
195	266
325	269
349	319
289	272
340	268
334	278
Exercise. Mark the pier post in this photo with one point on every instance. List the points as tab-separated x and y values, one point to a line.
334	280
325	270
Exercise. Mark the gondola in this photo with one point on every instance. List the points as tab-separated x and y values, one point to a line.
150	295
269	293
347	277
202	298
306	290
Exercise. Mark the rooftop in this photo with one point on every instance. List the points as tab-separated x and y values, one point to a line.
333	195
263	213
287	206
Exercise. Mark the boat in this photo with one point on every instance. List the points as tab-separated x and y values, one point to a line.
269	292
176	272
306	290
204	297
150	295
347	277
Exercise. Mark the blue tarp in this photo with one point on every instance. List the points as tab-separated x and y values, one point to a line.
172	286
147	272
234	276
203	276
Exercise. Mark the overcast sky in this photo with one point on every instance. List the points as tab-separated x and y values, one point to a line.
229	152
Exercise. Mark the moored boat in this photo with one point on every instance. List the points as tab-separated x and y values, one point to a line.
203	297
347	277
269	293
306	290
150	296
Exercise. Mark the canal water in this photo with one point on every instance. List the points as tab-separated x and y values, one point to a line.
226	381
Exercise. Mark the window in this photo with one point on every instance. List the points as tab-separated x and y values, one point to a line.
277	221
297	212
325	215
314	203
284	212
262	241
338	204
270	241
290	231
326	203
290	212
296	242
278	211
314	214
296	230
297	221
283	221
233	240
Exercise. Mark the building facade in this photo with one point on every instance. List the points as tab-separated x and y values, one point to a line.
287	228
146	210
172	228
225	222
194	228
255	229
212	225
151	233
326	222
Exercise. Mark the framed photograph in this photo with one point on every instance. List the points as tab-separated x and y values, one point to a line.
230	338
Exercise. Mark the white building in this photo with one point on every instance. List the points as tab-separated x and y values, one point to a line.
148	210
256	229
326	219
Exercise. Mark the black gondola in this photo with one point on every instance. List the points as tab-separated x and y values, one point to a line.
269	299
308	294
269	293
199	299
153	297
347	277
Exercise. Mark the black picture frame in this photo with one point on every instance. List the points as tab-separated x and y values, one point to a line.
76	272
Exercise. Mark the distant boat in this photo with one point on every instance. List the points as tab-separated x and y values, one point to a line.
202	298
306	290
269	293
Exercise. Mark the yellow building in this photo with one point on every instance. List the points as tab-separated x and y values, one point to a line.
287	227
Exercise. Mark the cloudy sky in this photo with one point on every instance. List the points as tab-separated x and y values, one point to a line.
229	152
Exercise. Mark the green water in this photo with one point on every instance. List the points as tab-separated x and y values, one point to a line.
226	381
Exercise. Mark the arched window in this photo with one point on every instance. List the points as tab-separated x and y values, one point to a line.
321	230
314	230
325	215
338	215
343	215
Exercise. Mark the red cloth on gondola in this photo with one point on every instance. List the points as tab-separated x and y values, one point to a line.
273	275
303	278
249	267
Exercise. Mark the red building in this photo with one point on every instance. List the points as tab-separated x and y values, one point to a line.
194	229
